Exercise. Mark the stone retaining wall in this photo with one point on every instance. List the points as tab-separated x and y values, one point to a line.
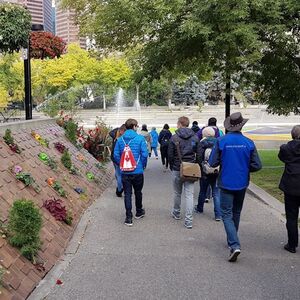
22	276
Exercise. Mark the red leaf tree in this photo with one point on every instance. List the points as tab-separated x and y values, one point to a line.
46	45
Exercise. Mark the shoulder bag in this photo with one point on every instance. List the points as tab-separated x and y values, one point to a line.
188	171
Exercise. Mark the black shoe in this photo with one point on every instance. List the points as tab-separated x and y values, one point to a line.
287	247
140	214
128	221
197	210
119	194
234	254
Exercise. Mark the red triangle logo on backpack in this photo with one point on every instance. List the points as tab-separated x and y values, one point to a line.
127	162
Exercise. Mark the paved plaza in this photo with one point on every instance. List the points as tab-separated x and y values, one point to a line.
158	116
158	258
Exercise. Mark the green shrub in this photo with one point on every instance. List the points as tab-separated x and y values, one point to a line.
24	225
52	163
69	218
66	159
71	131
2	272
8	137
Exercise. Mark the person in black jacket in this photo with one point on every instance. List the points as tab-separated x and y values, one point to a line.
290	154
163	139
115	134
190	152
195	127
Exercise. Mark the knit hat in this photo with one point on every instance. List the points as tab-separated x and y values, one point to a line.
208	132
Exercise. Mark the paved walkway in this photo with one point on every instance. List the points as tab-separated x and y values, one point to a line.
158	258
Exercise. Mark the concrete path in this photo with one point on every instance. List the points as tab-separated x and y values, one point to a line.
158	258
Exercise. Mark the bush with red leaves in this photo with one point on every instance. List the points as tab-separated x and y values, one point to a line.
56	209
46	45
60	147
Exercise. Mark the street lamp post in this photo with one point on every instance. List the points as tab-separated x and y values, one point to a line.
27	74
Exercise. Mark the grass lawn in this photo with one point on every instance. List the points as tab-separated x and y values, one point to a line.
268	178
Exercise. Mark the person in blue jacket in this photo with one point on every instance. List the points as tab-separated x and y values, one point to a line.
154	143
237	157
132	179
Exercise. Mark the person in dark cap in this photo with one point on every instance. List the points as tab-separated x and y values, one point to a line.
195	127
212	122
237	157
289	184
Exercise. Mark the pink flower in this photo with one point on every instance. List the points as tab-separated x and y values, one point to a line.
17	169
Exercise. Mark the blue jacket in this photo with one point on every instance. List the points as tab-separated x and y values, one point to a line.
237	157
138	147
154	136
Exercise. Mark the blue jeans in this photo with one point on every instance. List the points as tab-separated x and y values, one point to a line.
205	183
155	151
118	177
231	207
135	181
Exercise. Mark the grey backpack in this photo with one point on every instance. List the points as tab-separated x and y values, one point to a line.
206	168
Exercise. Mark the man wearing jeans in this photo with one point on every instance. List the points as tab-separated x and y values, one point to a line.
132	179
237	157
190	152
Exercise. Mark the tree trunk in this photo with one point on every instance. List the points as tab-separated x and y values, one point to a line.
227	95
104	102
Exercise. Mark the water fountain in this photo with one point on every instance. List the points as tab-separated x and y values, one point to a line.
120	99
120	105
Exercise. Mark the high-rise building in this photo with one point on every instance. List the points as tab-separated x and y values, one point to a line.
40	10
65	26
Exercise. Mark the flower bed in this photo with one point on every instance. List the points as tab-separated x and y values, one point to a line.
26	178
38	138
58	210
9	140
56	185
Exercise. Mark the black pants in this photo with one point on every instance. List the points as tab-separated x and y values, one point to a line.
164	155
292	204
135	181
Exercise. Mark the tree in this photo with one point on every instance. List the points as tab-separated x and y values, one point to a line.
154	91
279	83
11	78
74	68
229	36
279	72
15	25
177	34
114	72
46	45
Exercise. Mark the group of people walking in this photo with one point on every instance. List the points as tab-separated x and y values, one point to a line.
225	162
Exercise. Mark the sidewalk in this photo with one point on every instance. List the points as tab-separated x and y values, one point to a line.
158	258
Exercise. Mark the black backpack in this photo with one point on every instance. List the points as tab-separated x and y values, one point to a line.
165	140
